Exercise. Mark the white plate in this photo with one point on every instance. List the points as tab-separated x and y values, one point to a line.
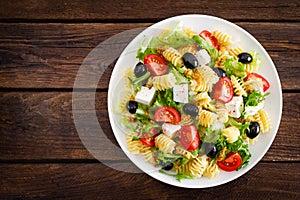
273	103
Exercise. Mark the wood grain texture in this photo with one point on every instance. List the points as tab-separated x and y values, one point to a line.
90	181
49	55
41	126
147	10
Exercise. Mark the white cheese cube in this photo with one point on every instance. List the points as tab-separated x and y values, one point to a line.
181	93
235	106
170	129
145	95
203	57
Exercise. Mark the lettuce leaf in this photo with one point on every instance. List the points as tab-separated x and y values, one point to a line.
233	67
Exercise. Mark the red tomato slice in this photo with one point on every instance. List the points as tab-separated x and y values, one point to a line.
223	90
148	139
189	137
167	114
266	84
231	162
212	40
156	64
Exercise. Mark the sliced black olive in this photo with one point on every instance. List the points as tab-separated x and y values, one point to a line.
190	61
210	149
253	130
245	58
167	166
220	72
190	109
140	69
132	106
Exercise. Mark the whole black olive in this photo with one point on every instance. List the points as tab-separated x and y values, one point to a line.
245	58
132	106
167	166
190	109
253	130
220	72
140	69
190	61
210	149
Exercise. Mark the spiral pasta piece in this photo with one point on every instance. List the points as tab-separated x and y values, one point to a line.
206	118
122	101
165	144
148	155
263	120
197	84
171	55
223	38
237	85
212	170
210	77
231	133
163	82
203	99
235	51
197	166
134	146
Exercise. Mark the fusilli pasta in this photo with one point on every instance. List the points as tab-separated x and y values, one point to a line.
165	144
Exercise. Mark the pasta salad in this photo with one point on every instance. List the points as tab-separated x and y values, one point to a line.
193	103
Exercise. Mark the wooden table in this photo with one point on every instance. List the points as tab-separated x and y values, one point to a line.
42	46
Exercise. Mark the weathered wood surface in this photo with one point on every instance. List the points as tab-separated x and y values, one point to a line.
49	55
41	126
147	10
42	46
96	181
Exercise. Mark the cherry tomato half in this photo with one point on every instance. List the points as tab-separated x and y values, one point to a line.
189	137
223	90
167	114
266	84
231	162
156	64
212	40
148	139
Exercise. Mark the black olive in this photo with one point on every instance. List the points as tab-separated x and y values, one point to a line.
167	166
190	109
190	61
253	130
140	69
210	149
220	72
245	58
132	106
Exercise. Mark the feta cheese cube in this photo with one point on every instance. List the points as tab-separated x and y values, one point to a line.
145	95
170	129
181	93
235	106
203	57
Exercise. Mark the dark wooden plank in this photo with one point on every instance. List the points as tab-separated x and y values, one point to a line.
49	55
147	10
93	181
41	126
